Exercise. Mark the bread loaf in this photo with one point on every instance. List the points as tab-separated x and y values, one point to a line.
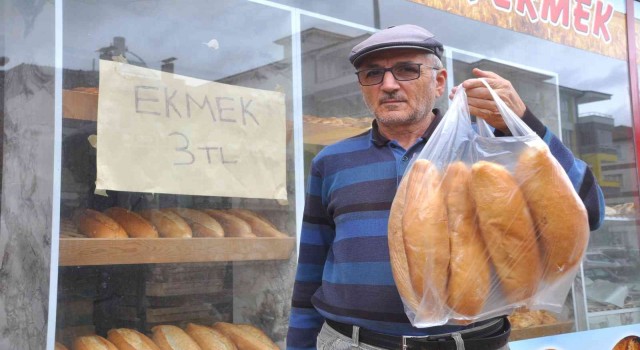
135	225
425	241
260	226
168	223
397	254
209	338
469	269
92	342
94	224
507	228
202	225
631	342
169	337
130	339
233	226
559	215
58	346
246	337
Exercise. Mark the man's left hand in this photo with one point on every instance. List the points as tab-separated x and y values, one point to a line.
482	105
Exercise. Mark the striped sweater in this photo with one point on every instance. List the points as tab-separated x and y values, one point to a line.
344	273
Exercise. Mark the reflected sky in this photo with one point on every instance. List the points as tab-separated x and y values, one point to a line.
248	35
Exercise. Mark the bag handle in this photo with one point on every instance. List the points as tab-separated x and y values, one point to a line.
516	126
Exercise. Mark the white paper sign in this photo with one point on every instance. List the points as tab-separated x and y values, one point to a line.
160	132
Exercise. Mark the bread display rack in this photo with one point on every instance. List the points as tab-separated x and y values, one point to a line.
76	250
107	251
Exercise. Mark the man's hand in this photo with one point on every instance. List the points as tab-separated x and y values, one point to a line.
481	103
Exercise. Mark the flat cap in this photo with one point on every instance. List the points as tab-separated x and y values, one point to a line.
396	37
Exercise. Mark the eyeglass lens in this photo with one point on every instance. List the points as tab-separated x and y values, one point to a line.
401	72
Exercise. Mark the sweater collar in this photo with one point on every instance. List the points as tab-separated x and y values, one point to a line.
379	140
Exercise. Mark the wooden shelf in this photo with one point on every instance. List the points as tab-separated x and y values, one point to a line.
81	105
107	251
541	331
326	134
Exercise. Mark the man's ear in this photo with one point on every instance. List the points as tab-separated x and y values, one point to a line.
441	82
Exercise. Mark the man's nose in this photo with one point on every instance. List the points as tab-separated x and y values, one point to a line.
389	82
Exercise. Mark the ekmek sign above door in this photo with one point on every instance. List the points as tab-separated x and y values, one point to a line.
592	25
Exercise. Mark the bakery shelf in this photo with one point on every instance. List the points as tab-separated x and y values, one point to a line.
81	105
541	330
326	134
619	218
107	251
614	310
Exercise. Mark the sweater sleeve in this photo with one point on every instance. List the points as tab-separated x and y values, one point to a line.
318	231
579	173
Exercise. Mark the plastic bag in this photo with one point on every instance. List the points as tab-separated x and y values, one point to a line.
482	225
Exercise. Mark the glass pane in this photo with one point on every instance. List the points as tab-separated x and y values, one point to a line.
178	197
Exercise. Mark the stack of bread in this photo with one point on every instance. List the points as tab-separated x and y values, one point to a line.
169	222
220	336
472	242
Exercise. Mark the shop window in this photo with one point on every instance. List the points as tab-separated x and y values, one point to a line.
180	117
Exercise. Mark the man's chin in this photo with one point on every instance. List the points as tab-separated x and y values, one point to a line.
392	120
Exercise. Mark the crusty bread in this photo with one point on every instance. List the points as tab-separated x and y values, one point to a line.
559	215
631	342
246	337
202	225
169	337
209	338
168	223
419	241
233	226
59	346
92	342
130	339
397	254
507	228
260	226
469	269
135	225
94	224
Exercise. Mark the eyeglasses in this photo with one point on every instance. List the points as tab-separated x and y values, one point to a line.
401	72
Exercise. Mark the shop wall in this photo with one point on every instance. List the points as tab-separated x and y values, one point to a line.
27	92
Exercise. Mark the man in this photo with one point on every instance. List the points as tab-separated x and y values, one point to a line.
344	296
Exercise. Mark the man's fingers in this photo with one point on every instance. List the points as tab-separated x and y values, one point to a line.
482	104
490	117
485	74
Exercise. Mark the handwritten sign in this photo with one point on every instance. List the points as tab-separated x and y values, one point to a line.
160	132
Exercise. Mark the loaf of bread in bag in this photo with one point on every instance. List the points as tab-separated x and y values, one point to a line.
202	225
558	213
245	336
424	241
92	342
130	339
135	225
469	268
168	223
507	228
94	224
209	338
169	337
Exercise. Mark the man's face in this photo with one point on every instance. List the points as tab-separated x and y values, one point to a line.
397	103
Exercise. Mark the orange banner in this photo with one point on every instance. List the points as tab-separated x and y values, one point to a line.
591	25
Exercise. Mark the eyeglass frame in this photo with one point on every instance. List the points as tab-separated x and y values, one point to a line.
390	69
